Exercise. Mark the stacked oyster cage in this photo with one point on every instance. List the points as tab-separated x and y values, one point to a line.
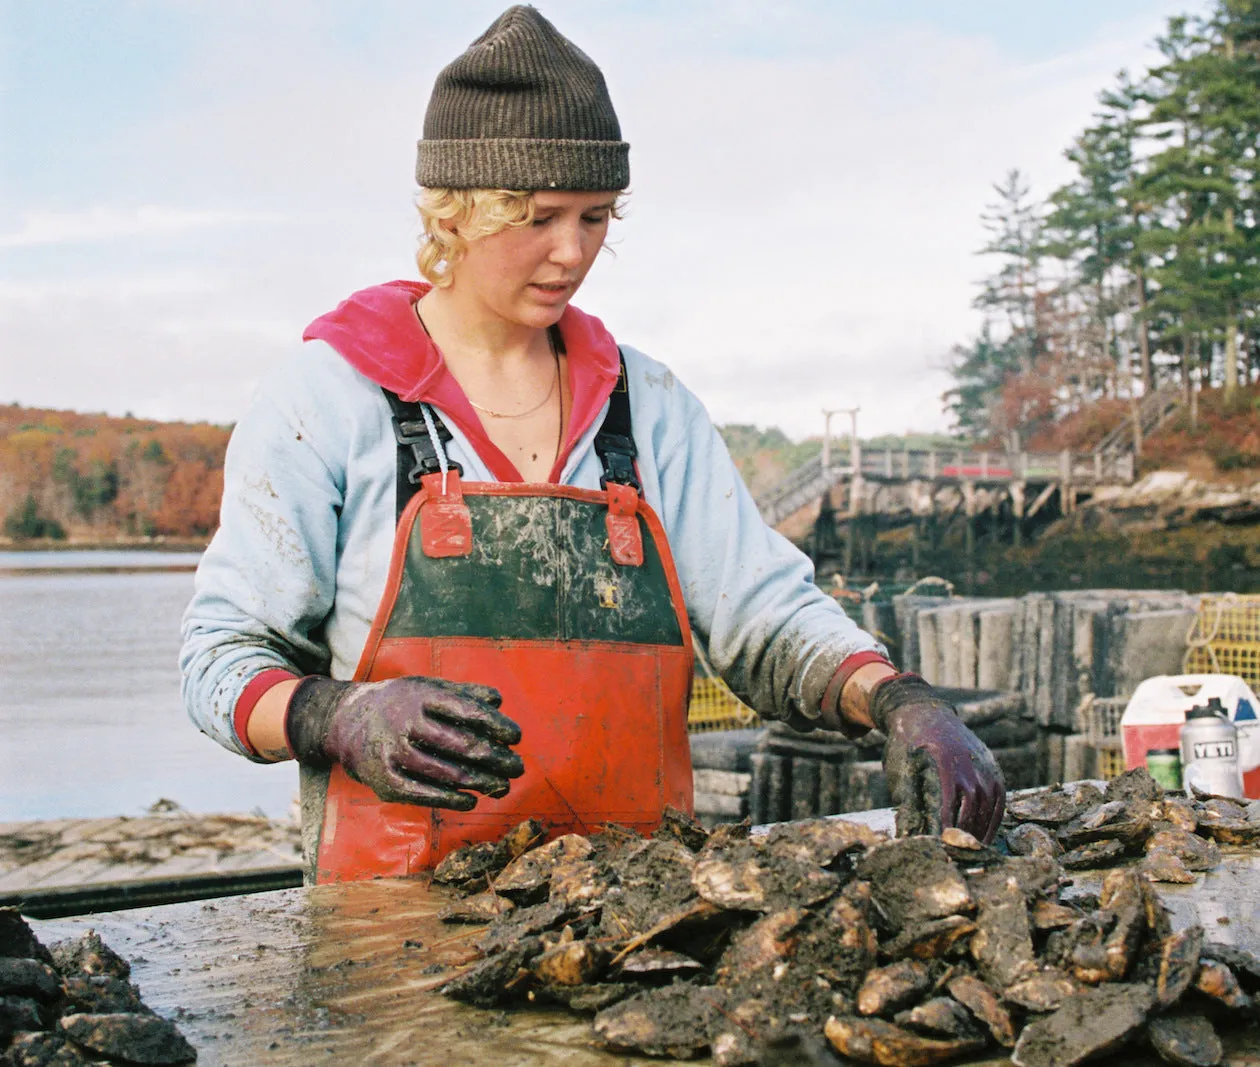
1062	650
795	775
822	934
1042	680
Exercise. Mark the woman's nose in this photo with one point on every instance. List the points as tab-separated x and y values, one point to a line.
567	250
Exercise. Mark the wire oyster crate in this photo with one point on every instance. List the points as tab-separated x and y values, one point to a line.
1225	637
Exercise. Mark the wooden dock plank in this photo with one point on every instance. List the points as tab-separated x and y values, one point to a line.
73	852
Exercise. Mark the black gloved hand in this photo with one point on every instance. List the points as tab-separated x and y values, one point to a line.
939	773
411	740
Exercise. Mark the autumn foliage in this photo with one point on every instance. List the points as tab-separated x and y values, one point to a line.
96	478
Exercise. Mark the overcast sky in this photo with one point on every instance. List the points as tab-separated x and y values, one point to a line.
184	184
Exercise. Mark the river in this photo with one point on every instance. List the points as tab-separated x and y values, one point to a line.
91	722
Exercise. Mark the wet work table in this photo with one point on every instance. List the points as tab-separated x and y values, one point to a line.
350	973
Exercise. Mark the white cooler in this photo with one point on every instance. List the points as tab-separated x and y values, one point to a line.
1157	711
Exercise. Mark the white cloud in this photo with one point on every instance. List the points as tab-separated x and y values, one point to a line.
117	288
106	223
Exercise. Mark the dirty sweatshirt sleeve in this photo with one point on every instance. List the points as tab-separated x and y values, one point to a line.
776	638
266	582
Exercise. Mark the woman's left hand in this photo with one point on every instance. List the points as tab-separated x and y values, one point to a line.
939	773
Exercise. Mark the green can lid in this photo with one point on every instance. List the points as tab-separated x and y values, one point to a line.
1164	752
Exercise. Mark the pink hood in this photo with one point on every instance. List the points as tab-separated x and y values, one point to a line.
376	331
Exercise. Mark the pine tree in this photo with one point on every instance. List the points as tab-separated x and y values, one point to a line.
1147	264
1014	224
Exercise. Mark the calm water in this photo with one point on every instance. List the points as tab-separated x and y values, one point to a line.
91	722
102	559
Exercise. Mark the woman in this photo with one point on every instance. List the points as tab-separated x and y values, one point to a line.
466	539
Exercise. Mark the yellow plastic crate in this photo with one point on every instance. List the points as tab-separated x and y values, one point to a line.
715	707
1102	721
1110	762
1225	637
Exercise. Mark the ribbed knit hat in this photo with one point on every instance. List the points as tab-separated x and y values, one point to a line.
524	108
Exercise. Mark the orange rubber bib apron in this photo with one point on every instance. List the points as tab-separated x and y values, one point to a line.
565	600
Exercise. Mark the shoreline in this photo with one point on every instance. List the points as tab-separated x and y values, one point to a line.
138	544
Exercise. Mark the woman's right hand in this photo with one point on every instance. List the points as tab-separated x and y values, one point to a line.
411	740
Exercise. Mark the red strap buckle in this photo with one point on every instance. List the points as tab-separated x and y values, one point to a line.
625	539
445	523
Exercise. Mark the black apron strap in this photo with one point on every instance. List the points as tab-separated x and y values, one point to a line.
614	444
416	454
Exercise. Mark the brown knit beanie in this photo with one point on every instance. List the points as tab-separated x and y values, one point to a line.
524	108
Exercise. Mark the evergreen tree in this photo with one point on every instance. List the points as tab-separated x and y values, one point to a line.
980	370
1012	294
1146	265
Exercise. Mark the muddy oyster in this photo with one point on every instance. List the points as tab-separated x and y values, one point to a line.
983	1003
1049	808
1088	1024
888	988
529	874
1031	839
754	877
914	878
875	1041
675	1020
1189	1040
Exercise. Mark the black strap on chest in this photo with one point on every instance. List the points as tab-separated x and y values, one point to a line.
416	454
614	444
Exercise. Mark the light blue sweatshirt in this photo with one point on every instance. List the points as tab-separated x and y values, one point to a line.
294	574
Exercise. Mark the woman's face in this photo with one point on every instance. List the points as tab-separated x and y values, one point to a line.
528	275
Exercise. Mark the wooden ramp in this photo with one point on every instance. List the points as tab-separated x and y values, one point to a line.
71	866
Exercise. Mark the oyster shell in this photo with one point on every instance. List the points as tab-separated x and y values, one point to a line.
1094	854
1161	866
1049	808
1173	965
1187	1040
979	999
1043	992
875	1041
913	878
1196	853
1002	945
675	1020
530	873
939	1017
753	877
479	908
1032	839
1086	1025
130	1037
1216	981
479	862
932	939
888	988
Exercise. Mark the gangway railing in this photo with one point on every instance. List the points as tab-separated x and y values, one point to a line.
981	468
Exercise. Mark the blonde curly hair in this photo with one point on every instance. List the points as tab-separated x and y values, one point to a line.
453	217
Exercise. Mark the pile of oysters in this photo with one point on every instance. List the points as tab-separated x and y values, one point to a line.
822	936
74	1005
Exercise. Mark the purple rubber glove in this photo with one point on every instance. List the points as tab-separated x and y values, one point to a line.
410	740
939	773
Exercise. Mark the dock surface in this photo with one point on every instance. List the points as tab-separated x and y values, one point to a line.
56	856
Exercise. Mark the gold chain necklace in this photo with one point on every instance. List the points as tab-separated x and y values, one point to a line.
529	411
520	414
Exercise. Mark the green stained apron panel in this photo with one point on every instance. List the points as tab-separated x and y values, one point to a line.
539	570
